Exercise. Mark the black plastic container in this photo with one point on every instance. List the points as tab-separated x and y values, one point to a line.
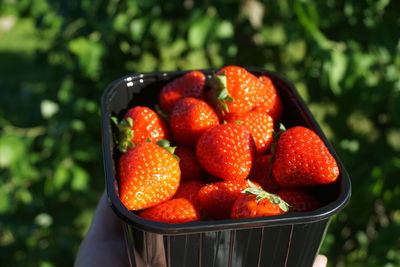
292	239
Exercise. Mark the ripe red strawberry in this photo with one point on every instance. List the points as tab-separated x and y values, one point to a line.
270	100
148	175
177	210
190	118
255	202
188	163
138	125
209	96
189	85
217	199
226	151
235	90
261	126
299	200
261	172
302	159
189	190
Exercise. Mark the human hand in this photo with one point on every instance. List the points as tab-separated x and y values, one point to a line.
320	261
104	243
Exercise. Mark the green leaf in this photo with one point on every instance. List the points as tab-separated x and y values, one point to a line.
89	54
137	29
80	179
46	264
48	108
162	31
12	150
77	125
394	107
61	175
5	201
274	34
43	220
121	23
196	59
147	63
295	51
65	93
24	196
304	14
199	32
225	29
336	70
85	154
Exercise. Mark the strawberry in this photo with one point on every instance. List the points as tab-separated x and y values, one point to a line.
209	96
188	163
189	85
302	159
138	125
261	126
255	202
299	199
217	199
270	100
177	210
261	172
189	190
226	151
190	118
148	175
235	90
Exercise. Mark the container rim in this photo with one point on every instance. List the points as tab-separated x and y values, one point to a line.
128	217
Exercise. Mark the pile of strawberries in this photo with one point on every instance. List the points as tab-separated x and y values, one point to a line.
230	158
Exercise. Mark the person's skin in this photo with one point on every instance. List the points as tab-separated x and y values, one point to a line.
104	242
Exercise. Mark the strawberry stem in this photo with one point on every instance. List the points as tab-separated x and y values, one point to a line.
124	135
276	135
161	112
262	194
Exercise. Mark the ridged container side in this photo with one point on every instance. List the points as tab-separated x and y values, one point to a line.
287	245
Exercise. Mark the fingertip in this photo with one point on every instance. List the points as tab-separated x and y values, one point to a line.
320	261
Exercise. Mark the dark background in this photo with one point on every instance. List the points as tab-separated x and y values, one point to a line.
57	57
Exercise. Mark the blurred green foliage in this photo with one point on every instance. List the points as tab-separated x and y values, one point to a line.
57	57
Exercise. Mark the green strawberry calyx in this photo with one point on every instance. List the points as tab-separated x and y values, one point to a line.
276	135
124	136
161	112
223	97
262	194
167	146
